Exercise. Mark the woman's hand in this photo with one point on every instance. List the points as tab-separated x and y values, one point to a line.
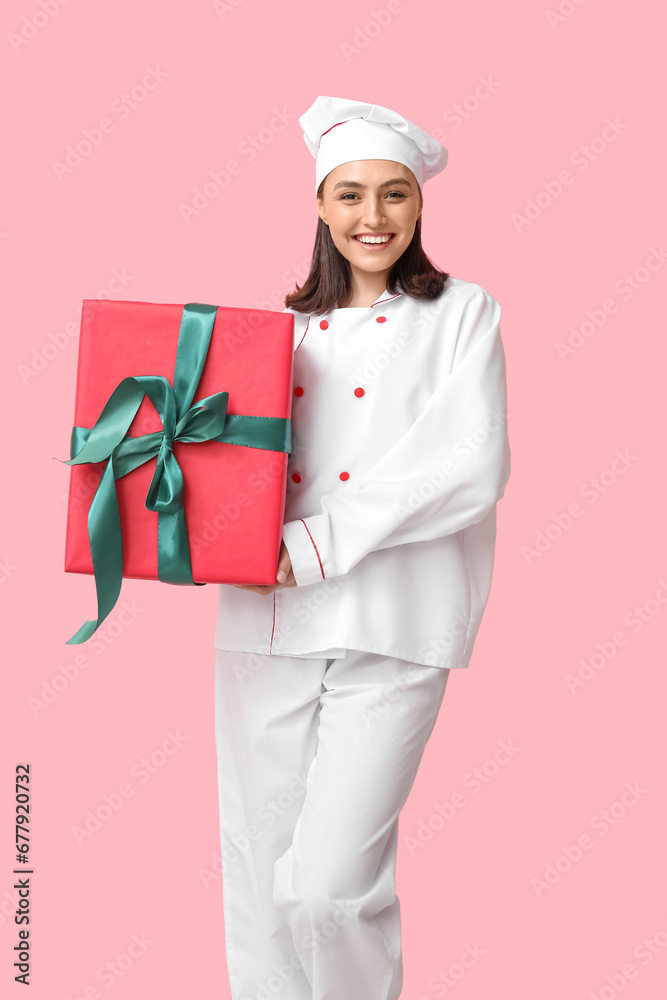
284	566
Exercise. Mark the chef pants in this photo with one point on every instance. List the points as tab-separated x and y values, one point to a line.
316	758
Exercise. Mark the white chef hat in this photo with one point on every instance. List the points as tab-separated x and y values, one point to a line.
337	130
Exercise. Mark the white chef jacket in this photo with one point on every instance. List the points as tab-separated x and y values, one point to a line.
400	454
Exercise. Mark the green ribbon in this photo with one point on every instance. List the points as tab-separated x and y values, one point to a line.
206	420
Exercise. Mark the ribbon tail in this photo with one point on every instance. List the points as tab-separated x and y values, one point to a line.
173	551
106	548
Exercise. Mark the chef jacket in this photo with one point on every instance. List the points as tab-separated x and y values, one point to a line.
400	454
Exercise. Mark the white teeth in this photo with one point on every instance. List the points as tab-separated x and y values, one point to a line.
373	239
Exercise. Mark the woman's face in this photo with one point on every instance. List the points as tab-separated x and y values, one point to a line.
371	197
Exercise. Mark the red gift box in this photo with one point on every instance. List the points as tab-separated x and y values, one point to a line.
233	494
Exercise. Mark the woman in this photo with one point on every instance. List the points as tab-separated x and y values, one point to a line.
328	683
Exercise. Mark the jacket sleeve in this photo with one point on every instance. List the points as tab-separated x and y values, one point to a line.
446	472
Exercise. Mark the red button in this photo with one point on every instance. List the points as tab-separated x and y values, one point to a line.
298	391
296	477
344	475
359	391
323	324
380	319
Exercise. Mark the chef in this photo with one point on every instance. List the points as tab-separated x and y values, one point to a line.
328	682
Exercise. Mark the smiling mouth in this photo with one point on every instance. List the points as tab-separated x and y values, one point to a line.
378	241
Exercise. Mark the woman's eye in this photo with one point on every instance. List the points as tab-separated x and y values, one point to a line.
352	194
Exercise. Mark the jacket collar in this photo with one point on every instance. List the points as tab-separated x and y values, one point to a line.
386	296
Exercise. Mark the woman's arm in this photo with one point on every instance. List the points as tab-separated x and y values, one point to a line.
446	472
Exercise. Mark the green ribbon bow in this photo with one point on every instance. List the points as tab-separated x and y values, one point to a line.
206	420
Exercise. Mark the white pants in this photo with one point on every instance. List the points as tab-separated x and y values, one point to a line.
316	758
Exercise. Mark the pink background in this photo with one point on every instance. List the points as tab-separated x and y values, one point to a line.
600	928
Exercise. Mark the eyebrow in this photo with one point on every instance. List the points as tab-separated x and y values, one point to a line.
356	184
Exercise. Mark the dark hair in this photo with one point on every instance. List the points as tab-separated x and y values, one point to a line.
329	285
